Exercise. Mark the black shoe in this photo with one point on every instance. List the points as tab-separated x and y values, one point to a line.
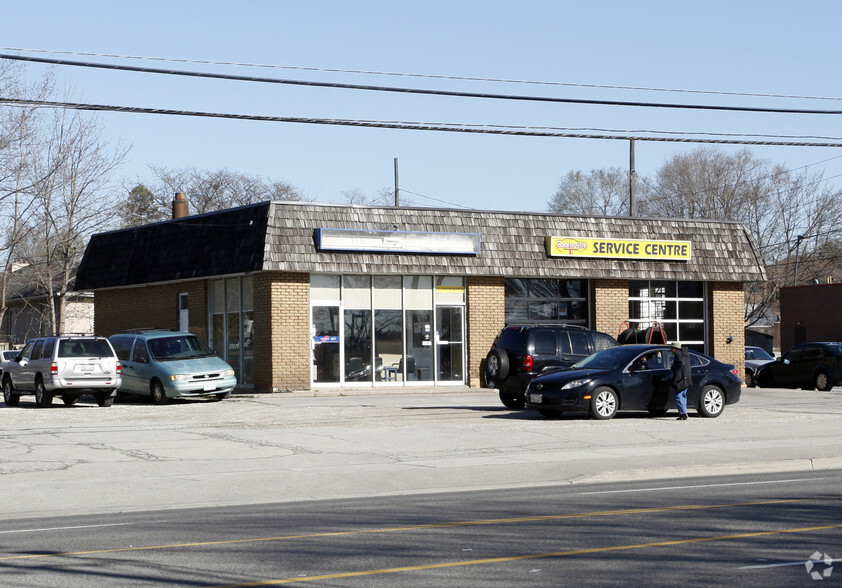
682	417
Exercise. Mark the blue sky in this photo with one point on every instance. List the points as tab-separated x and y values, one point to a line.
770	47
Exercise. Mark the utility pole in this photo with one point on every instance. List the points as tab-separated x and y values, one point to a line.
632	179
397	189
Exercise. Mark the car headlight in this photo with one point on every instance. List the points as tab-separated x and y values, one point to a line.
575	384
227	372
180	378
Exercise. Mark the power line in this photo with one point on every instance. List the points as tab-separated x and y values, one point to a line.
415	126
425	76
436	199
448	93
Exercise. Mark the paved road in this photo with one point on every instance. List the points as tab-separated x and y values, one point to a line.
291	447
749	530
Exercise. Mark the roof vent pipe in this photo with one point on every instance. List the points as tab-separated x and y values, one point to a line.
179	206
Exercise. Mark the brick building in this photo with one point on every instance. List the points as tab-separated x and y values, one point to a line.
810	313
306	295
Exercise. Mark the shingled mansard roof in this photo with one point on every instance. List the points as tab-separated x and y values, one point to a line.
279	236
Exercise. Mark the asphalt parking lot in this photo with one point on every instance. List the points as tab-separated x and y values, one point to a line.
302	446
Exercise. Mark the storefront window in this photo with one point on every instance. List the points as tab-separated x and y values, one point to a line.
388	329
546	300
678	307
231	306
394	329
356	296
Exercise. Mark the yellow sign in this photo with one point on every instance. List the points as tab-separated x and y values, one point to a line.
618	248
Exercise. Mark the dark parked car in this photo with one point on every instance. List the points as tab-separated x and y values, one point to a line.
755	357
521	352
619	379
806	366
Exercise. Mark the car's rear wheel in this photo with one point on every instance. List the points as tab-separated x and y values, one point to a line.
497	366
159	396
712	402
69	399
512	400
104	399
9	396
43	399
822	381
604	403
751	379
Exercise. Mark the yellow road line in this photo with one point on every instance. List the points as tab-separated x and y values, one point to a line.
494	560
509	520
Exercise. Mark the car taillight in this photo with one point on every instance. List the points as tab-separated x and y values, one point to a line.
735	371
119	368
526	363
54	369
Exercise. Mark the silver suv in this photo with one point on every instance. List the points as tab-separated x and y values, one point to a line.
69	366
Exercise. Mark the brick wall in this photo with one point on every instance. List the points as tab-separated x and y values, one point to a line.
727	312
282	331
486	308
610	305
151	306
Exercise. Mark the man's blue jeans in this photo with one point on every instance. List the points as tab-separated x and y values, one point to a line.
681	401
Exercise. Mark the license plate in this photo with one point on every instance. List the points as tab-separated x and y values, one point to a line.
209	387
536	398
86	367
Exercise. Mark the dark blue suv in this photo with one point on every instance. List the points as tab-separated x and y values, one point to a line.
524	351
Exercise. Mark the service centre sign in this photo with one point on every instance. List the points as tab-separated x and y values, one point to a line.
618	248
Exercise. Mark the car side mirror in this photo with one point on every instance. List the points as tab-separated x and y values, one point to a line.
784	361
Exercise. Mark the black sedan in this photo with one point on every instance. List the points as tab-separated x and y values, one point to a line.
633	377
806	366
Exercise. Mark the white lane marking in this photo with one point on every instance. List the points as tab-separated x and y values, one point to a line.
65	528
660	488
779	565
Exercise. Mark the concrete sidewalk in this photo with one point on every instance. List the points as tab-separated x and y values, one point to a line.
305	446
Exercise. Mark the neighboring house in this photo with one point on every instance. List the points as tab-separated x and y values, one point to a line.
307	295
28	313
761	327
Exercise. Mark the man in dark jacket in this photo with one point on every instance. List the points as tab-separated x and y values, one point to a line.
680	378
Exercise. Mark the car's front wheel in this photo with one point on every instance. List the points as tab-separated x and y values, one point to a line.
43	398
9	396
712	402
751	379
604	403
159	396
763	380
822	381
510	400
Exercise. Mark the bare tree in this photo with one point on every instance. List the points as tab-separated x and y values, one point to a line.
19	141
384	197
603	192
206	190
71	189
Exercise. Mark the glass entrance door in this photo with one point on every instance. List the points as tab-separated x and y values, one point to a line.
325	344
449	344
